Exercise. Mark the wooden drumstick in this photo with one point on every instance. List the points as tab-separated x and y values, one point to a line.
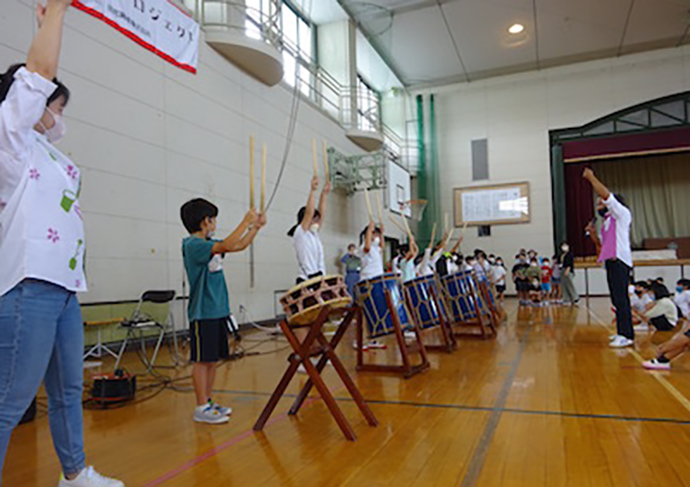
378	203
313	146
433	237
325	161
263	178
407	228
464	227
251	172
368	202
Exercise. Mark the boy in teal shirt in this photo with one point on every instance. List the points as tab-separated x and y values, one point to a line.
209	308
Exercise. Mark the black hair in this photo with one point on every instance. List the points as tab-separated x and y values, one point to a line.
685	283
363	235
660	291
659	279
300	216
404	248
7	80
194	212
643	284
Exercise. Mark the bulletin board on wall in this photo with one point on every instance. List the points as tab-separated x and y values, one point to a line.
498	204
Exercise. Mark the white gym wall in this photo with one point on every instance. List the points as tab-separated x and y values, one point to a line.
149	136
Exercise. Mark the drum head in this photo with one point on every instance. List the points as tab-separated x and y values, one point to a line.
304	302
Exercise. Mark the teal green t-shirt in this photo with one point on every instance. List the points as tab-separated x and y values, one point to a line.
208	293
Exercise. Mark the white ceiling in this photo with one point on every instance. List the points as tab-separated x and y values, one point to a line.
431	42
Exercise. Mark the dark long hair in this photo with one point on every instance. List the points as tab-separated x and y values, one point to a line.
300	216
7	80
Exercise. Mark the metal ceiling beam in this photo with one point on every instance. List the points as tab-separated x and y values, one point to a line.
452	38
625	28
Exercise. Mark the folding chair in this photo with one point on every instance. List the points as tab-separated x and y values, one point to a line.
141	321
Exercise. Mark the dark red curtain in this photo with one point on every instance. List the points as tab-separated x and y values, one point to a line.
579	204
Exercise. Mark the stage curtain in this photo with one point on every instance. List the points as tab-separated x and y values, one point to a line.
656	189
579	208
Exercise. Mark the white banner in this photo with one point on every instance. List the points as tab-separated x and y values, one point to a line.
158	25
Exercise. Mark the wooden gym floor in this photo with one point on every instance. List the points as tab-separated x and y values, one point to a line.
546	404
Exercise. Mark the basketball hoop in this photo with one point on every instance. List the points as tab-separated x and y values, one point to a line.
413	209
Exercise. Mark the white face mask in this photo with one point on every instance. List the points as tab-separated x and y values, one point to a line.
59	129
565	248
314	227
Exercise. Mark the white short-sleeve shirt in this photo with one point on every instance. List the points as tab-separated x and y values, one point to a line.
309	251
41	228
683	302
372	263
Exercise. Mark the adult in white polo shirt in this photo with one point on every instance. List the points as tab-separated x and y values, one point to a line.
41	254
616	255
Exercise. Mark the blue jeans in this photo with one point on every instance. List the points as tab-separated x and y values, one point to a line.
42	339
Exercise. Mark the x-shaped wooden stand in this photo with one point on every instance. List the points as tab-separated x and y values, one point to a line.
326	351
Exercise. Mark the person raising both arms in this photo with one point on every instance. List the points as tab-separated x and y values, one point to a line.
42	249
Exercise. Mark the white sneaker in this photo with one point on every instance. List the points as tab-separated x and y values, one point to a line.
210	416
90	478
654	364
621	342
612	337
225	411
410	335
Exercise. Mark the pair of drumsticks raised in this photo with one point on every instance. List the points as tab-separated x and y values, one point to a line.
262	204
405	227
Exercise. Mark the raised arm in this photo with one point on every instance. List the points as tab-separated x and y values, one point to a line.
249	236
369	237
44	53
597	185
322	200
456	247
231	242
413	252
311	204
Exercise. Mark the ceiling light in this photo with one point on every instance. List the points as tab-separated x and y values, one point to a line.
516	28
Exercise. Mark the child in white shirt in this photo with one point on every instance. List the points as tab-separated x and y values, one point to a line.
371	252
682	298
306	240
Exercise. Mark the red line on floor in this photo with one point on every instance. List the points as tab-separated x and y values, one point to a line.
215	451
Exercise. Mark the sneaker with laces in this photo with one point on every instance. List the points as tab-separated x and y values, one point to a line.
364	348
654	364
89	478
621	342
376	344
410	335
209	415
225	411
613	337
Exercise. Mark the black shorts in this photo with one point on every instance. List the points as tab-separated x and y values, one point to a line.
500	289
209	340
661	323
523	285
